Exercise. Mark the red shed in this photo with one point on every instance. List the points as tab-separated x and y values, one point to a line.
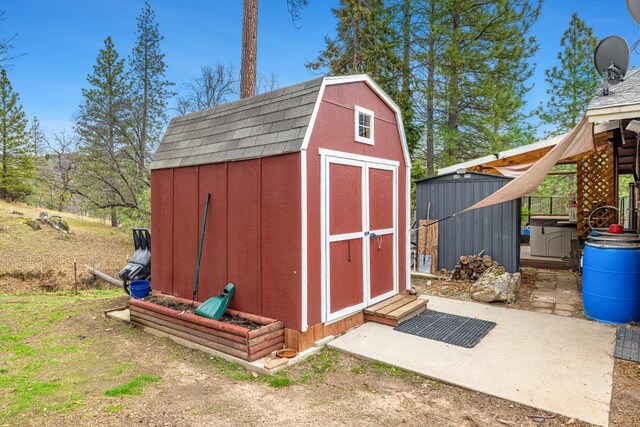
309	204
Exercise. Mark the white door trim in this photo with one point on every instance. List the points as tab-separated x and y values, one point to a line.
359	157
304	242
328	157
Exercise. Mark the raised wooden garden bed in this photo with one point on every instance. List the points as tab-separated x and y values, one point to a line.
235	340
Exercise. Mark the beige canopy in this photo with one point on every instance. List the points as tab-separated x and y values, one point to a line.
578	141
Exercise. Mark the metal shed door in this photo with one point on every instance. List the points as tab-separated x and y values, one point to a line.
359	234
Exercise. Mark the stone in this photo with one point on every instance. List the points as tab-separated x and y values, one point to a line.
543	298
545	284
564	313
61	223
544	295
276	362
542	304
496	285
33	224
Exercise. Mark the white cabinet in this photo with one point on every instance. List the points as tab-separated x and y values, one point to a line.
550	239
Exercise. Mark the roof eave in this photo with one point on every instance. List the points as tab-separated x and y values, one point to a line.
501	155
615	112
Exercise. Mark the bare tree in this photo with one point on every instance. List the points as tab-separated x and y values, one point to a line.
267	83
295	10
59	173
214	86
6	44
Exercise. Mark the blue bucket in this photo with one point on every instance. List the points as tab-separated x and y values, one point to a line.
139	288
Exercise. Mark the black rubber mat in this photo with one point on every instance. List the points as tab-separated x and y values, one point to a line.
449	328
627	344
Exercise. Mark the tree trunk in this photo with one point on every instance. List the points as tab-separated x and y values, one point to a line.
406	50
431	69
249	48
114	217
454	91
356	44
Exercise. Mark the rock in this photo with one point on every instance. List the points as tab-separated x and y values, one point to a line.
54	221
33	224
17	213
496	285
58	221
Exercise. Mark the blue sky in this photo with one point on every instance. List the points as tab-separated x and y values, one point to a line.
60	40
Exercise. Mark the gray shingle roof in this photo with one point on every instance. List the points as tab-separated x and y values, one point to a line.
264	125
626	92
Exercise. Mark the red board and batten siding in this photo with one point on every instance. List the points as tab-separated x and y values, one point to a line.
253	237
334	130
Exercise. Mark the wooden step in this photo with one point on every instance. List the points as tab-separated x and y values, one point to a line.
382	304
396	309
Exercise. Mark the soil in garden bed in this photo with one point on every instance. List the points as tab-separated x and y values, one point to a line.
188	308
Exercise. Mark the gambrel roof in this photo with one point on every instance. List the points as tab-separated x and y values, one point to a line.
263	125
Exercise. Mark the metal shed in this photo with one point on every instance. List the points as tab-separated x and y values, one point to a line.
494	229
309	204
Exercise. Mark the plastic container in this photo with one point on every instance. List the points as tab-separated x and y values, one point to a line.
139	289
615	229
611	281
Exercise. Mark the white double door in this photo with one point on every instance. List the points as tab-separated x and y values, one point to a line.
359	230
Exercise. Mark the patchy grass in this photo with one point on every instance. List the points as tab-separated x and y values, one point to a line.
315	367
280	379
43	366
382	369
113	408
311	369
133	387
120	369
231	370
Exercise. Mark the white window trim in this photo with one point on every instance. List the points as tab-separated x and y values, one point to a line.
359	138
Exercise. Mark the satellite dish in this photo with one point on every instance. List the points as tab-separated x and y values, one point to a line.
611	57
634	9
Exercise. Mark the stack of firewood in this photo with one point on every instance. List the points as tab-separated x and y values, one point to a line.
472	266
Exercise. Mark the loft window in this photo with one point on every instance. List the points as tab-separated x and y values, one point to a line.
364	125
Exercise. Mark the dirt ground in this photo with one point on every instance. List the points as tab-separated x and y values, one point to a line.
43	260
459	289
63	362
195	389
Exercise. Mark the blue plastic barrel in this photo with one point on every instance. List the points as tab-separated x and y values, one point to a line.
139	288
611	281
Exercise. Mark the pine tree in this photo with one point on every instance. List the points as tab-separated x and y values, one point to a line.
366	42
36	137
473	59
374	37
573	83
108	173
17	167
150	90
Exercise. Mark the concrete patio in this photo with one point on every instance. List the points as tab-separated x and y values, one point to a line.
554	363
